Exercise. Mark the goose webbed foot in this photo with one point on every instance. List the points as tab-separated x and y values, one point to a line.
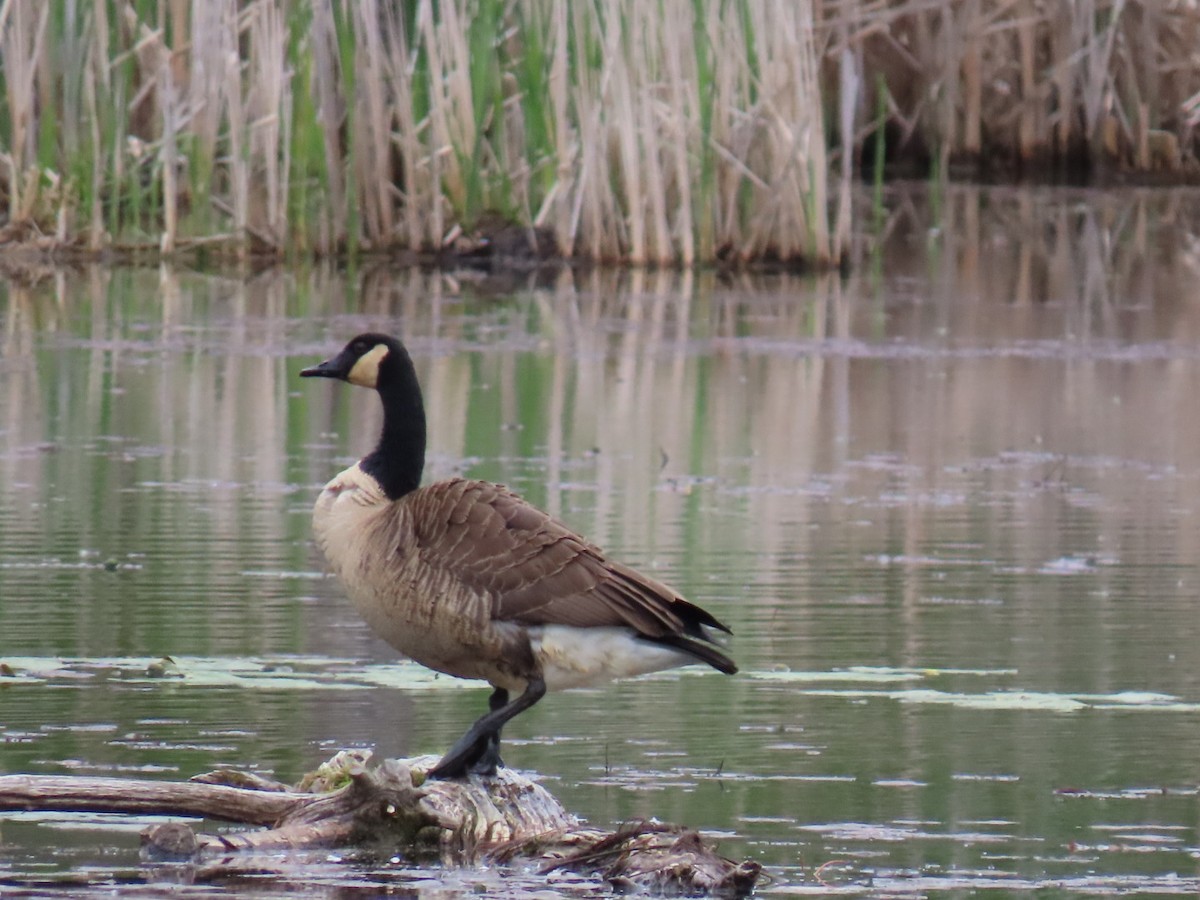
470	755
489	760
478	751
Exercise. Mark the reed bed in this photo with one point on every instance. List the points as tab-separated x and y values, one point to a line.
678	132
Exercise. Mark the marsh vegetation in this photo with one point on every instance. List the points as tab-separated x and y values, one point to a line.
611	130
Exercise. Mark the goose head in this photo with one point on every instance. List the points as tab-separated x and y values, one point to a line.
368	361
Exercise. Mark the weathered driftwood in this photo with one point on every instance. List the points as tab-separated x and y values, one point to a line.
347	802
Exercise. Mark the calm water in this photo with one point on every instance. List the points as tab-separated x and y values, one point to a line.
950	506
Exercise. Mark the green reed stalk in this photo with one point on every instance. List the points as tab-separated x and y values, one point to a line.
706	177
308	177
344	36
879	160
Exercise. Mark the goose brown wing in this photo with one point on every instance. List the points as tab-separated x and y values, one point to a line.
536	570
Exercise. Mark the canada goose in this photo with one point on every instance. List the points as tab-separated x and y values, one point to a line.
467	578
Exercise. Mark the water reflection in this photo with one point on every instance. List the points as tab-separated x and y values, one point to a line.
949	503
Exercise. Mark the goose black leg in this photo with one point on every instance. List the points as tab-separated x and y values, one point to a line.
489	759
478	751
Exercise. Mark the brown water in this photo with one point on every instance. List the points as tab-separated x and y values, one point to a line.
950	506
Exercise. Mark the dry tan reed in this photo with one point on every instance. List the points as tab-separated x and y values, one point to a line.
22	43
1107	85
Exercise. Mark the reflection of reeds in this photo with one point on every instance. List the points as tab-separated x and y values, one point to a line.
657	133
848	479
788	451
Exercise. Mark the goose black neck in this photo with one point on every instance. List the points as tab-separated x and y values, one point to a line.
399	458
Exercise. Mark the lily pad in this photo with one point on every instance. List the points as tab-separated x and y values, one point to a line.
275	673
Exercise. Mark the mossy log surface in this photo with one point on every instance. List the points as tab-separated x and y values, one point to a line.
504	819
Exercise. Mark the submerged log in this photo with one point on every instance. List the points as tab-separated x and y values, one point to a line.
345	802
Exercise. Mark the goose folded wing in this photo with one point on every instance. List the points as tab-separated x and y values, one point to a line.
536	571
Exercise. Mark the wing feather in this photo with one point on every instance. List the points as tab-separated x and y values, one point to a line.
537	571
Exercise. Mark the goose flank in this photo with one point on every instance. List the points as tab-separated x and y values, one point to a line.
467	578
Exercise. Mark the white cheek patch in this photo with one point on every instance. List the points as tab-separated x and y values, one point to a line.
365	372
